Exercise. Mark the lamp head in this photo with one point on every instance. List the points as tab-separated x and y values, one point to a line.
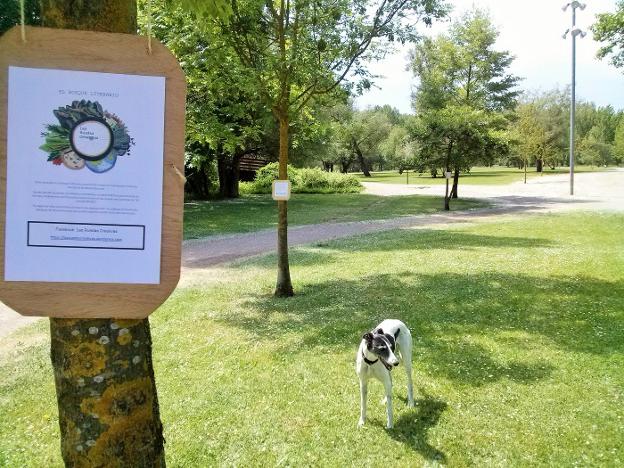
574	5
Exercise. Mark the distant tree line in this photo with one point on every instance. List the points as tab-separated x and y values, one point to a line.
469	109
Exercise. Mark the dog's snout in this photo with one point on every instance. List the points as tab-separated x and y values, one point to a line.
395	363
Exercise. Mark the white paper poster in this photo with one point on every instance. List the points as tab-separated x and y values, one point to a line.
84	177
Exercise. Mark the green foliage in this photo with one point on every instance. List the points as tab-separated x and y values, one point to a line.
462	98
210	8
360	134
463	68
399	149
10	14
534	137
306	180
455	137
618	143
594	150
609	28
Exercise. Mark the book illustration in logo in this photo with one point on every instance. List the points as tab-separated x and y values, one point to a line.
86	136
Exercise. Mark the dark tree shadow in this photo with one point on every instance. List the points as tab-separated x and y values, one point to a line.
443	311
411	428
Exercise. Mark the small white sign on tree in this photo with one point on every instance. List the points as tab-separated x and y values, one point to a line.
281	189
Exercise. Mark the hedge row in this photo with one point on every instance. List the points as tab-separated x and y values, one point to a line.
303	181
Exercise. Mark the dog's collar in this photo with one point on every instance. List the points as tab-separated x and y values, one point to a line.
370	363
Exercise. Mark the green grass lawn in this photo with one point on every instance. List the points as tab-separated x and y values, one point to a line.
518	354
253	212
497	175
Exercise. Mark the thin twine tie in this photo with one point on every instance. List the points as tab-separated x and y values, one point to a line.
22	21
149	26
178	172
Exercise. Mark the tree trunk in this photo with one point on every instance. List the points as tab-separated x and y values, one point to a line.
455	183
106	392
345	164
283	288
93	15
108	407
361	160
539	165
447	198
229	175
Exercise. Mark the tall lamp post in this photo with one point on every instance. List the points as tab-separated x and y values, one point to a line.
574	31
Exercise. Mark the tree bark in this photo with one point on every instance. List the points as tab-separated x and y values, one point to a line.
447	198
361	160
108	406
106	392
229	175
345	164
283	287
93	15
455	183
539	165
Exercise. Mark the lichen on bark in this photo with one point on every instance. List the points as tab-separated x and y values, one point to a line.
108	407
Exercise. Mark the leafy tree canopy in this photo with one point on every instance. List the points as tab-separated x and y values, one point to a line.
609	28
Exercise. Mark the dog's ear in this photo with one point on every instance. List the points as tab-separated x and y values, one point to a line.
368	336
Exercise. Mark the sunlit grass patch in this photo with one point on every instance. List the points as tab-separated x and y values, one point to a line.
518	354
254	212
495	175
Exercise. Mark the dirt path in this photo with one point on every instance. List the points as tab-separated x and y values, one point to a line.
593	191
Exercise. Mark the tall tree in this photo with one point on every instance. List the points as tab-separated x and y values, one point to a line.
454	137
462	71
297	50
609	28
362	133
108	406
225	117
618	143
532	142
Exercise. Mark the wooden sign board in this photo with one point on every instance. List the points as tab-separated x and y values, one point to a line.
91	185
281	190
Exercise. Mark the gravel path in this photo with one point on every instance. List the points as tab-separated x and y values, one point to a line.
593	191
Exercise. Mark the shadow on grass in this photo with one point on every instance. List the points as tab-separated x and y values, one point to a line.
411	240
412	427
445	313
426	239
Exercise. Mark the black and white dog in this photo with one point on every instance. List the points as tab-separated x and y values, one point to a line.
377	356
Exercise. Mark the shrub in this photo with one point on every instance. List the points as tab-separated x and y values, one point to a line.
245	188
304	181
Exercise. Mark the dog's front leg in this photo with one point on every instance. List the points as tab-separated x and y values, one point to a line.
388	388
363	395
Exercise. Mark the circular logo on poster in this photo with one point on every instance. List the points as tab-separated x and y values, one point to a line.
91	139
86	136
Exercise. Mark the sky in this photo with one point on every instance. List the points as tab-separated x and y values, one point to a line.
531	31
